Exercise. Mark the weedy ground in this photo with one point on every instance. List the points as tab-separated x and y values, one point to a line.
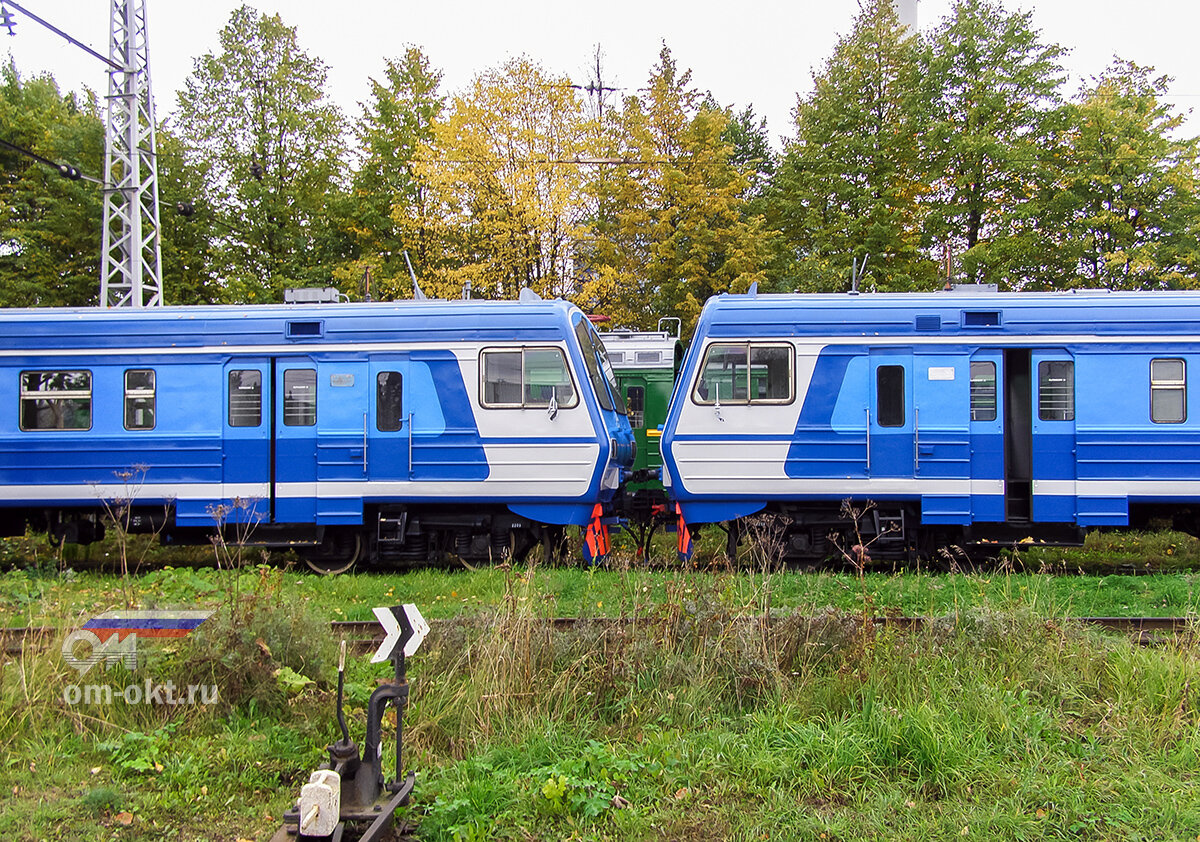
729	703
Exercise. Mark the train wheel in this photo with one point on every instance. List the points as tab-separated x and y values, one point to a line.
336	554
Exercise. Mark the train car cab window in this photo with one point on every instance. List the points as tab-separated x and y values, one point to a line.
1168	391
635	406
526	378
599	370
245	398
389	406
56	400
299	397
889	395
546	377
139	399
745	372
1056	390
983	391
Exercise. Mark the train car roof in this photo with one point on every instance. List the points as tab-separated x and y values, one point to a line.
639	349
969	315
276	324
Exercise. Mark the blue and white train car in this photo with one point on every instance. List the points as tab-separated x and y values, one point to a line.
402	430
963	416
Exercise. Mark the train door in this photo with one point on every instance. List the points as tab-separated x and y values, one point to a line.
295	430
1018	436
343	417
890	444
941	453
1052	373
390	419
246	453
987	422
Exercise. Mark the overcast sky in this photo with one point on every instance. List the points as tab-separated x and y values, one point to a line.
752	52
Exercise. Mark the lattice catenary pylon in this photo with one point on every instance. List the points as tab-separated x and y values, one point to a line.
131	274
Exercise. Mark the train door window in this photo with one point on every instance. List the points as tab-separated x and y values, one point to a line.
983	391
245	398
56	400
139	399
745	373
1168	391
889	395
530	377
635	406
1056	390
389	404
299	397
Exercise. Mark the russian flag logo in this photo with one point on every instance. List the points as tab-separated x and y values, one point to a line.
145	623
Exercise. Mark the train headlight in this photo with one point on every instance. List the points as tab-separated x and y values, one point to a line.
612	477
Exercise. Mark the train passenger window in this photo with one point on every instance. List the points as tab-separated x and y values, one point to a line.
635	406
745	372
983	391
889	395
1168	391
56	400
1056	390
389	406
245	398
139	399
299	397
525	378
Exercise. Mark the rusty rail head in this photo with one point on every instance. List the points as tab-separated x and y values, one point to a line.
1122	624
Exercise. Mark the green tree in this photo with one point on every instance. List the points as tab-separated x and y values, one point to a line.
49	225
850	181
675	232
187	229
389	207
751	143
509	195
1131	187
270	145
994	140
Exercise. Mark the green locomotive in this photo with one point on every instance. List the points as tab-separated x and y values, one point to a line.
646	364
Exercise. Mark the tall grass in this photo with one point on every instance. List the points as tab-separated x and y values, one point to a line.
1003	723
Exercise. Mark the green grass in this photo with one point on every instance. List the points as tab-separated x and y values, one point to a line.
1000	720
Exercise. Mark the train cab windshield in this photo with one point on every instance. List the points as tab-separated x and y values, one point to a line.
600	371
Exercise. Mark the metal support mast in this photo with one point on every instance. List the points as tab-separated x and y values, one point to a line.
131	275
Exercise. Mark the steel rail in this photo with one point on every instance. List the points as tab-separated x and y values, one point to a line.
367	632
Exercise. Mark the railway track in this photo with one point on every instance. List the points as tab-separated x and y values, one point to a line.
364	634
